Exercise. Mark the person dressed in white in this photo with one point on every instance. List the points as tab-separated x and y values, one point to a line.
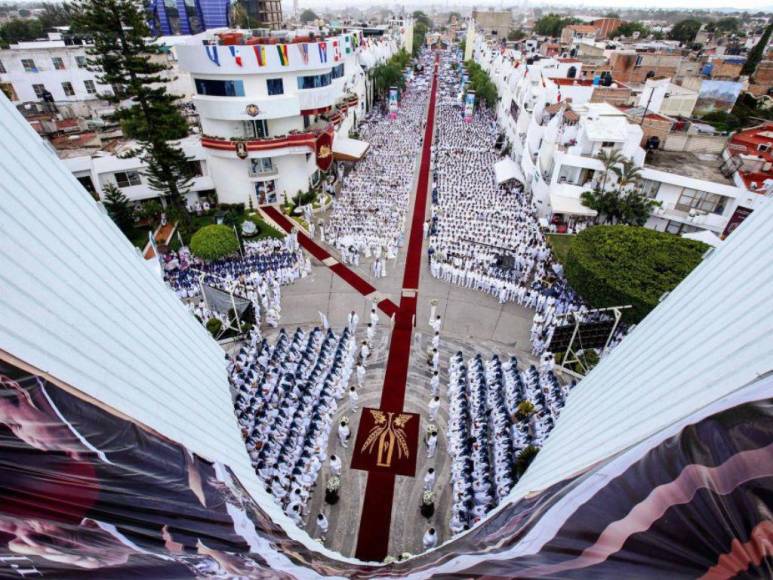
335	465
434	406
344	433
352	320
430	539
360	371
434	382
353	398
322	526
429	479
323	318
437	323
373	317
431	443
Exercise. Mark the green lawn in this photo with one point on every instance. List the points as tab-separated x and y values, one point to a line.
560	244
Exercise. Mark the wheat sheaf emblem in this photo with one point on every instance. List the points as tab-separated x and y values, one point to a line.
387	433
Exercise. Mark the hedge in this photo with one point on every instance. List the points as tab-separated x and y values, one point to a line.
214	241
620	264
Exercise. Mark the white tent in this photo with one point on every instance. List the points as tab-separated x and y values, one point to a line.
347	149
506	170
704	236
570	206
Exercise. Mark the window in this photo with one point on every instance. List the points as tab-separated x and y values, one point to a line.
261	166
2	68
40	90
257	129
58	62
650	188
127	178
763	147
194	168
306	121
701	201
90	87
314	81
29	65
275	86
88	185
68	90
220	88
338	71
81	61
607	144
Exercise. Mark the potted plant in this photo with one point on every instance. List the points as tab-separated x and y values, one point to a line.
427	507
331	490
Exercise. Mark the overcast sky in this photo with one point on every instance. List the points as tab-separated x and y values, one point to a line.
619	4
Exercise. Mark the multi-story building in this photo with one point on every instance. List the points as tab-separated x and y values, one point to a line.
559	136
493	22
265	13
170	17
54	70
273	110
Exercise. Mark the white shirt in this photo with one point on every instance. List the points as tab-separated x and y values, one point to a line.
430	540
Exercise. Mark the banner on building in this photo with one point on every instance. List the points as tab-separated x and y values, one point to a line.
324	149
738	217
469	106
393	102
87	492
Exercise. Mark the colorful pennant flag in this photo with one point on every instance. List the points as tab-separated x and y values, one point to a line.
260	54
304	50
212	53
236	55
322	51
282	50
336	51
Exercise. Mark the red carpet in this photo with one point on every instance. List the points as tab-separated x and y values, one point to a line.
354	280
376	519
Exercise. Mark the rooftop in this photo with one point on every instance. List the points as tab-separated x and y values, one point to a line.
698	166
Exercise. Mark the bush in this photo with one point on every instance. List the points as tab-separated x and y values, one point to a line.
214	326
264	230
213	242
620	265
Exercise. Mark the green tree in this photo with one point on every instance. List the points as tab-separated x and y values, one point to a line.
552	24
118	207
19	31
524	459
620	265
624	202
451	17
627	30
485	90
308	15
421	18
685	31
124	60
728	25
756	53
214	242
516	35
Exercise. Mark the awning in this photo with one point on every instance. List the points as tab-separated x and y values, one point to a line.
704	236
506	170
570	206
346	149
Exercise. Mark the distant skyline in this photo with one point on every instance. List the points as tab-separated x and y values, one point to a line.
723	5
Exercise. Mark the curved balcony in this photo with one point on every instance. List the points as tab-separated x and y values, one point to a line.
304	139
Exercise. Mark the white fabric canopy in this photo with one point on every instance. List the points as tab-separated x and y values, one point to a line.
570	206
704	236
506	170
349	149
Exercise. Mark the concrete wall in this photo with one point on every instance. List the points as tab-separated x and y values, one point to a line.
695	143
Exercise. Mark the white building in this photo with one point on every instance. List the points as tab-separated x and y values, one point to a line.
54	68
96	171
273	111
556	144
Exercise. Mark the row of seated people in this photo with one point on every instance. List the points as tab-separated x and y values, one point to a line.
285	397
495	412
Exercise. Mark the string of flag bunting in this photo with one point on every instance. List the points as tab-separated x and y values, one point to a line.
351	42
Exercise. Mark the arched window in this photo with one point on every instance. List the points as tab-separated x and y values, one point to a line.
572	72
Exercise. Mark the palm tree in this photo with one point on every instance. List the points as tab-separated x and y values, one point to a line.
610	159
627	174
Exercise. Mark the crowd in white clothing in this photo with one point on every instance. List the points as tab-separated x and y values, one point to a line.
285	397
257	275
482	235
368	215
488	427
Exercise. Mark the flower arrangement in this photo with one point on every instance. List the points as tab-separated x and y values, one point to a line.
333	484
428	497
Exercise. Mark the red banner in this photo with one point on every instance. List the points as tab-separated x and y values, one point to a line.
324	150
387	442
